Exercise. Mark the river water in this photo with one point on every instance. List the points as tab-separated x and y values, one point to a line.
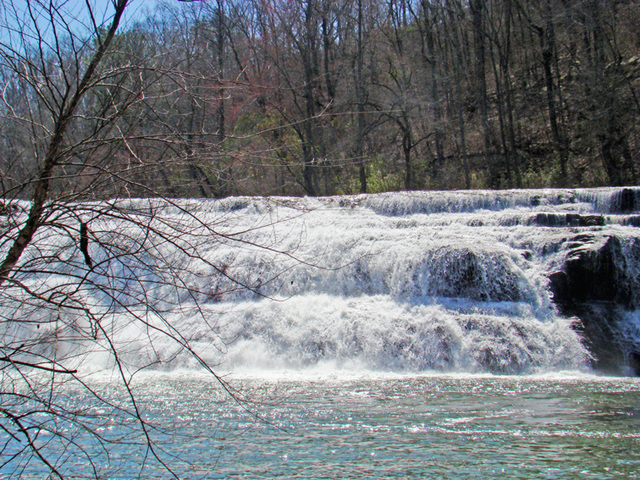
376	426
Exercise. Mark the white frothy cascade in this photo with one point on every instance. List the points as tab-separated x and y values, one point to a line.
409	282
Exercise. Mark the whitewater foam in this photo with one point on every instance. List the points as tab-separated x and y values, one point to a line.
397	282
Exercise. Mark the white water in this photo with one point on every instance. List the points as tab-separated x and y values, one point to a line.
404	282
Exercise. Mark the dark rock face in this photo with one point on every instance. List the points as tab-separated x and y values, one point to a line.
593	275
626	200
567	220
632	220
466	274
596	285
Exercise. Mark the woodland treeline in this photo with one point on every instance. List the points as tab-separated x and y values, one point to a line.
320	97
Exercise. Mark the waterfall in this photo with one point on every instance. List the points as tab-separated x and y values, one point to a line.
476	281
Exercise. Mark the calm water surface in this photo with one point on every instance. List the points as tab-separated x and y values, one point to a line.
400	427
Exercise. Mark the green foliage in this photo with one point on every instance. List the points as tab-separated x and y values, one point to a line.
381	180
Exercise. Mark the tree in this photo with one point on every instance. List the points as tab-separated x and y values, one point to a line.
607	84
76	268
547	35
360	99
430	18
478	18
403	97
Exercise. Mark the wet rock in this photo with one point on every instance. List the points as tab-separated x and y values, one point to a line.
467	274
632	220
599	327
593	275
596	285
575	220
567	220
625	201
634	363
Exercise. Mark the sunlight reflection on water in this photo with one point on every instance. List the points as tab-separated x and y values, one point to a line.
400	427
353	426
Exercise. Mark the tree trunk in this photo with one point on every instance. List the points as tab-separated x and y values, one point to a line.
456	58
224	177
407	146
54	154
430	58
477	20
547	47
360	95
506	76
310	147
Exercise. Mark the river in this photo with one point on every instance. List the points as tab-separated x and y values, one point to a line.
334	426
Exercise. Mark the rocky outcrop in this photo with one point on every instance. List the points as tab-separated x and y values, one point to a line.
566	220
626	200
597	285
595	271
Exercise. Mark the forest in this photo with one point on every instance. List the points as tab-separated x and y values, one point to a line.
214	98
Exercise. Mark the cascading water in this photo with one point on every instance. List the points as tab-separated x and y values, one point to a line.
412	282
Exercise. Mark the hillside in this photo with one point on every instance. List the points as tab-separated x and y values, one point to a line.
319	97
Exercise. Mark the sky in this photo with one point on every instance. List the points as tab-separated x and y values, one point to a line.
14	19
16	25
73	8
